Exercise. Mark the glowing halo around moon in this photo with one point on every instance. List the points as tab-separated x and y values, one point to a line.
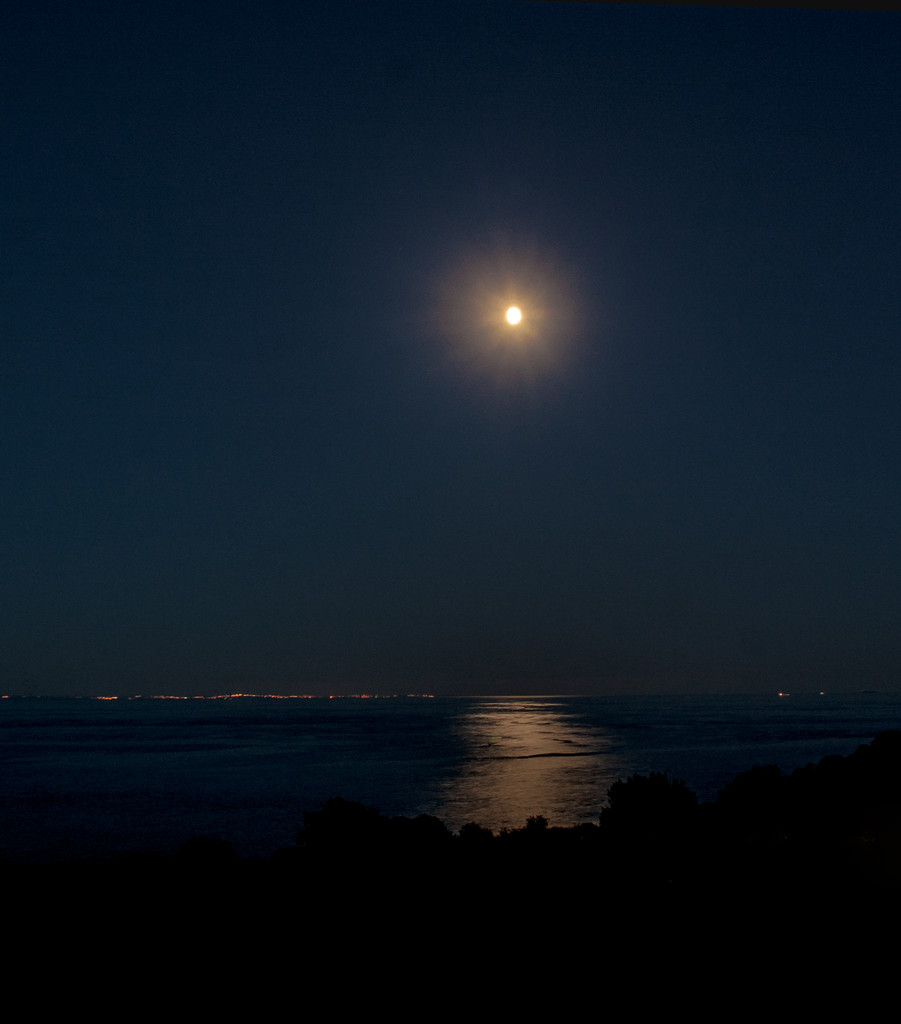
509	311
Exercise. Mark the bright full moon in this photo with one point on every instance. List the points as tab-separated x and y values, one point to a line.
514	315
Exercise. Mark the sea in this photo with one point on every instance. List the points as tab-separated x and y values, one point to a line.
88	777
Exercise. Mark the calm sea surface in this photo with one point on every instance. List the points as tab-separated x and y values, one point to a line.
84	777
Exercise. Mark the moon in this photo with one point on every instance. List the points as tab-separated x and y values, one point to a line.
514	315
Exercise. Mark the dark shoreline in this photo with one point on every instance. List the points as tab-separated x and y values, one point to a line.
836	823
785	886
782	892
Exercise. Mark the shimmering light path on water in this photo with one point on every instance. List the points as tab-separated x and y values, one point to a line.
529	756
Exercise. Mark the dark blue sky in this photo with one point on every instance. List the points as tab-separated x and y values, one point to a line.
263	427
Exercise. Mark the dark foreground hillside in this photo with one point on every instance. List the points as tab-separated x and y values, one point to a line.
776	867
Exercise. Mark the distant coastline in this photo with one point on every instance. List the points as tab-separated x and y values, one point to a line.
378	695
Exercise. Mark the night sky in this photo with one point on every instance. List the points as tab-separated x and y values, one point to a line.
265	428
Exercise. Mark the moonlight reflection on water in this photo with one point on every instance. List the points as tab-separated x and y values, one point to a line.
528	755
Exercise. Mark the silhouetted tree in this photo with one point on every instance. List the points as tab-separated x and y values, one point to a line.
649	827
341	826
206	852
472	835
424	835
646	806
756	805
